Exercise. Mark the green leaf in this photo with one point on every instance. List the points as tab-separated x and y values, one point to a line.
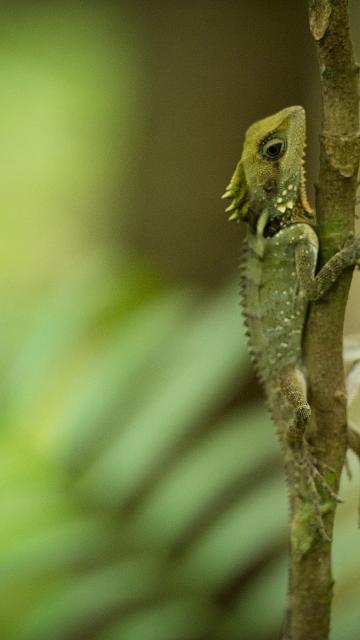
199	372
244	532
82	602
205	474
181	620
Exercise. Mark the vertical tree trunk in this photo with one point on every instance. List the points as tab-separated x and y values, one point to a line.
311	582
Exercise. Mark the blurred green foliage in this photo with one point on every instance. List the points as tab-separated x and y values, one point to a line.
131	507
141	494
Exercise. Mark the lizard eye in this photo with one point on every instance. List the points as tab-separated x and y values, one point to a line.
273	149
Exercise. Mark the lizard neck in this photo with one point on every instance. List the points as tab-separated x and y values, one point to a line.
266	219
292	216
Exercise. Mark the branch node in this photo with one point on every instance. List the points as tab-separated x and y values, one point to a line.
340	396
319	17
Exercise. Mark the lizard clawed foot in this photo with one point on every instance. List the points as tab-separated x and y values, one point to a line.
319	463
308	471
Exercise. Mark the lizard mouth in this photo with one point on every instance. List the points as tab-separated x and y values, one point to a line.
273	227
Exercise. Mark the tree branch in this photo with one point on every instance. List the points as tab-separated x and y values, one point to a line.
311	583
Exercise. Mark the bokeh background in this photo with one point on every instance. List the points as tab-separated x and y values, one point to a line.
141	493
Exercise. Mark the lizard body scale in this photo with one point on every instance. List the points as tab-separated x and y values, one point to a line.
278	275
274	309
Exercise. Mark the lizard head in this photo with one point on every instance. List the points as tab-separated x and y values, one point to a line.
270	175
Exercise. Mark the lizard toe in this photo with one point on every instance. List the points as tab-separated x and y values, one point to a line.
303	413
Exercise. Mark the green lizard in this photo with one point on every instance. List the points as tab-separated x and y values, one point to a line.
279	279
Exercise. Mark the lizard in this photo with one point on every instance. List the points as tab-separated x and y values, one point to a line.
279	279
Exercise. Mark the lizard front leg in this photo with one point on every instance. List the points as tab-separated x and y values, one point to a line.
314	286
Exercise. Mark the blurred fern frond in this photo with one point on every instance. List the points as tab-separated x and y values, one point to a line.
141	494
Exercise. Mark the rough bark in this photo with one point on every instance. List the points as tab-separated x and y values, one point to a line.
311	582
